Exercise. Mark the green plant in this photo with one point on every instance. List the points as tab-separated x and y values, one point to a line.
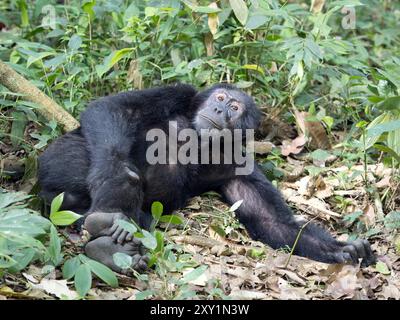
25	236
169	260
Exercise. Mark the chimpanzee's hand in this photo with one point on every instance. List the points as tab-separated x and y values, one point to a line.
351	252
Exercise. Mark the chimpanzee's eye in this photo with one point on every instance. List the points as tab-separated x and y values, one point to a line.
235	107
220	97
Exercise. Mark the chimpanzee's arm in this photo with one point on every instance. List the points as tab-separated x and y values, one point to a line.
268	219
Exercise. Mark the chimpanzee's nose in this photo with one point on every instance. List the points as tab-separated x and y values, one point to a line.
218	110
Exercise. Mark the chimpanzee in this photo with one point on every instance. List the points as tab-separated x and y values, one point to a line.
103	171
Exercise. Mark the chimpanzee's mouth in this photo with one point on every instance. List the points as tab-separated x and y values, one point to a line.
216	125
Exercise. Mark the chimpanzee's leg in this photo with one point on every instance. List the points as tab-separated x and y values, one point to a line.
63	167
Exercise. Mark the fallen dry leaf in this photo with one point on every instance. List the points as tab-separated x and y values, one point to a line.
263	147
59	288
293	147
343	282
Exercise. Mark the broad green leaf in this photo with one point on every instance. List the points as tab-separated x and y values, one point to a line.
54	248
383	127
144	294
393	141
112	59
320	155
103	272
392	220
23	8
148	240
240	10
83	279
193	275
131	11
160	241
369	139
157	209
38	56
381	267
64	218
70	267
7	198
56	203
127	226
75	42
171	218
88	8
122	260
256	21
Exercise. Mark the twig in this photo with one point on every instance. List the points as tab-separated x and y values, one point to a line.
49	108
297	239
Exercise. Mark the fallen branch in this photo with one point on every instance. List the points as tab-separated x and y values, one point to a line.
49	109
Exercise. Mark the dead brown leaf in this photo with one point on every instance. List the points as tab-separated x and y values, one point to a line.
263	147
314	130
293	147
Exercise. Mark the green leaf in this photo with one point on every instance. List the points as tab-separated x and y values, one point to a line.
256	21
103	272
157	209
392	220
88	8
18	127
83	279
382	128
122	260
171	218
131	11
193	275
54	248
127	226
201	9
160	241
148	240
56	203
240	10
7	198
70	267
75	42
64	218
393	141
112	59
320	155
381	267
144	294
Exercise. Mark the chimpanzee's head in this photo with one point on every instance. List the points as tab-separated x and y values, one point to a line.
224	106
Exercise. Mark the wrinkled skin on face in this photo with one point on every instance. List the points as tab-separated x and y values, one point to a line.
225	107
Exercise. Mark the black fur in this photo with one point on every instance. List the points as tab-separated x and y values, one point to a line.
90	165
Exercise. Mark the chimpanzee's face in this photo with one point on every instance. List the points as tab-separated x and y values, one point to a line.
225	108
221	110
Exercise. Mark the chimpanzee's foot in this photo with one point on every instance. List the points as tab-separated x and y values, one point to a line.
353	251
103	248
100	224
